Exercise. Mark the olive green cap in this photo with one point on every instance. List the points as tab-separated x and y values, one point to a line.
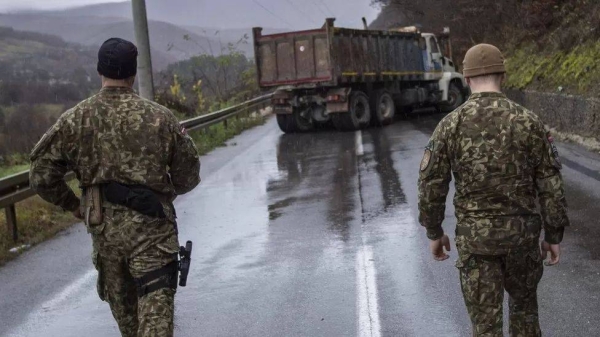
483	59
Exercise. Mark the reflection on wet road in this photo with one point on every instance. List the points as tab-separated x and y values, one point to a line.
309	235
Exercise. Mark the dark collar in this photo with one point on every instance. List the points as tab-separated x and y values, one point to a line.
487	95
117	90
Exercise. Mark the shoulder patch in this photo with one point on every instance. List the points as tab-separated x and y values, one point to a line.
426	160
554	150
427	156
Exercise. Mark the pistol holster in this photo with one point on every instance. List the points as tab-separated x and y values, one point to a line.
93	206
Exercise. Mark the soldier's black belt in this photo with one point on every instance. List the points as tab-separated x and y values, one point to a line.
138	198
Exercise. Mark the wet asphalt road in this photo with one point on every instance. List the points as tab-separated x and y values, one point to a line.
310	235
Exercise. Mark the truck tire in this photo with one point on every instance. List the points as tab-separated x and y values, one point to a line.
455	99
358	115
383	108
294	122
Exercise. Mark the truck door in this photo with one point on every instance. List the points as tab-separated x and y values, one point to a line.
435	55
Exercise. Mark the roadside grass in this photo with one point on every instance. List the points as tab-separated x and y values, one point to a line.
6	171
216	135
38	221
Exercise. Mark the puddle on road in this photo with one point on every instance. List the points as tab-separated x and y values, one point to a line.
317	168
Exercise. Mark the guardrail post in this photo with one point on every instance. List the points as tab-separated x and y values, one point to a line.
225	124
11	222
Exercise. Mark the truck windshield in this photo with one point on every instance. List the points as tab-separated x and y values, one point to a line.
434	46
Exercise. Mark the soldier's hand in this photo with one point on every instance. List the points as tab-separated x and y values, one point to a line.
77	214
554	251
437	248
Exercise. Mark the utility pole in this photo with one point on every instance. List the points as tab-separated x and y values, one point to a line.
140	23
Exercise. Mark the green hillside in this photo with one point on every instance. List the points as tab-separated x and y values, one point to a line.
564	57
550	45
40	76
37	68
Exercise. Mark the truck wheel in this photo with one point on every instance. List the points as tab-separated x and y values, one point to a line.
294	122
455	99
383	108
358	115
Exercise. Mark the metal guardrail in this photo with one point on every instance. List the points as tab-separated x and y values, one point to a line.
15	188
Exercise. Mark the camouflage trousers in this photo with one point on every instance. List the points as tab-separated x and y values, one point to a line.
484	278
128	246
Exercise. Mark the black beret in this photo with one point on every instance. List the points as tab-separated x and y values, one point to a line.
117	59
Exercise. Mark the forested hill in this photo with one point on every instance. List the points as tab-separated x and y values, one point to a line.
37	68
550	44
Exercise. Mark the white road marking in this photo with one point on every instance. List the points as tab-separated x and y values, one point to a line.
368	308
71	289
359	143
39	318
366	278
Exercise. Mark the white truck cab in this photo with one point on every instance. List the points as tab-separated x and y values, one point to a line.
440	67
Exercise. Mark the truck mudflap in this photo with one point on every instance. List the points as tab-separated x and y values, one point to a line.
282	102
338	100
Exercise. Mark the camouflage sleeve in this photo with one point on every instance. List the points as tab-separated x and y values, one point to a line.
185	162
549	184
48	169
434	179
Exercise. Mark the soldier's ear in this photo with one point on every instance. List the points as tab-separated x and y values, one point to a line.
502	79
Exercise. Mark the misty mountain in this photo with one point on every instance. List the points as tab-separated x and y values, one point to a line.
39	68
169	43
177	27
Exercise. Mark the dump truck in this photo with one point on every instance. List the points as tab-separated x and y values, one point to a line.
354	78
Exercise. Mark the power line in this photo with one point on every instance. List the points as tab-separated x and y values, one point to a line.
270	12
301	11
319	8
327	7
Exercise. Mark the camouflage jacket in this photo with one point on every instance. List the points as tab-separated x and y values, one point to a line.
501	158
114	136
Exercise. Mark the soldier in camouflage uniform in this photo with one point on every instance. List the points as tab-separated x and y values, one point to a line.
502	158
116	138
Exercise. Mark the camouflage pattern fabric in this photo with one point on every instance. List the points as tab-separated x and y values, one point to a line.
483	280
128	246
115	136
501	158
118	136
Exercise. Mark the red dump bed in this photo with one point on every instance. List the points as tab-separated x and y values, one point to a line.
332	55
